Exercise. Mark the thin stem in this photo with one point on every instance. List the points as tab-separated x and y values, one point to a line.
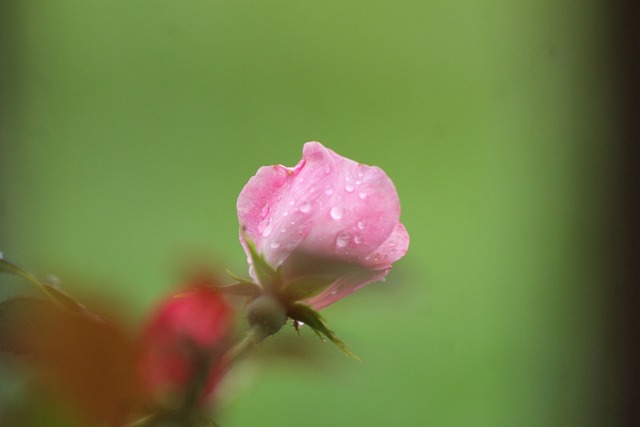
250	340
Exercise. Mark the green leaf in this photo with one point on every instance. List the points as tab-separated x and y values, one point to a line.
313	319
305	287
267	276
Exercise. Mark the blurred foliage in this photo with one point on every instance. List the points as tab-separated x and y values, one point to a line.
129	129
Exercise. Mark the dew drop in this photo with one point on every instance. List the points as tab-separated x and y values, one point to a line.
275	244
336	212
283	230
360	225
265	211
291	203
343	238
362	195
267	230
360	174
54	281
300	179
357	239
327	170
349	188
285	213
329	191
358	182
305	207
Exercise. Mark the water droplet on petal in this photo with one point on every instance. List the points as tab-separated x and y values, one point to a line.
357	239
267	230
343	238
358	182
300	179
349	188
285	213
265	211
360	225
291	203
305	207
327	170
362	195
329	191
275	244
360	174
336	212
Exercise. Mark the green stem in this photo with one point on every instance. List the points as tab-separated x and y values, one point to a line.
253	337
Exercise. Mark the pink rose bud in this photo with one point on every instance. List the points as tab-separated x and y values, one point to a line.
182	343
329	225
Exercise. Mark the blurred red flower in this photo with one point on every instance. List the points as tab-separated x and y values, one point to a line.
181	347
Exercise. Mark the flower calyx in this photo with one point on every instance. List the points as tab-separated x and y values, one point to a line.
274	300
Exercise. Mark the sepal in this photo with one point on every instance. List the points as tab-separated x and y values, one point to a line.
307	315
266	275
240	279
243	289
305	287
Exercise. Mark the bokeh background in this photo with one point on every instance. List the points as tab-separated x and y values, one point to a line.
129	129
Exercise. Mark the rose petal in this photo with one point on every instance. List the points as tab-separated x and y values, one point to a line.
328	208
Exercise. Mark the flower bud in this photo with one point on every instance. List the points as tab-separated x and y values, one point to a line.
326	217
182	342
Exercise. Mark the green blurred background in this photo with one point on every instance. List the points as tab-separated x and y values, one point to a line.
129	129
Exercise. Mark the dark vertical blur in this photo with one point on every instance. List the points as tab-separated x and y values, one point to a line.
10	65
624	339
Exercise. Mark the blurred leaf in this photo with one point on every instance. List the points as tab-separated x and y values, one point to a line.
21	319
313	319
89	362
